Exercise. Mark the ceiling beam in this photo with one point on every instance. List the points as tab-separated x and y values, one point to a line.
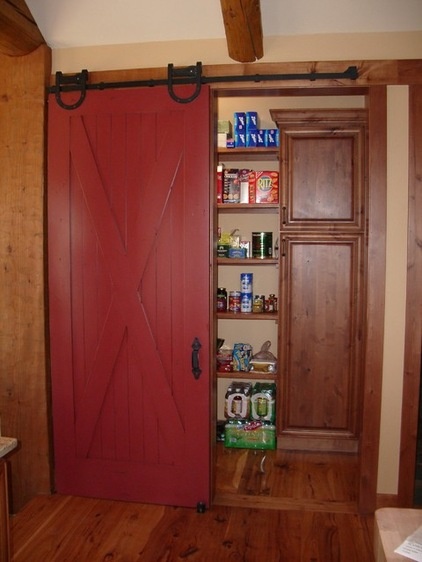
19	34
243	27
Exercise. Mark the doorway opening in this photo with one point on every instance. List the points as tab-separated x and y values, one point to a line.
253	473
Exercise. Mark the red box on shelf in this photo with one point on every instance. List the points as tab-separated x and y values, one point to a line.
264	187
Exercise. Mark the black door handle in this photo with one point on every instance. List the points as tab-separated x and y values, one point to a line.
196	370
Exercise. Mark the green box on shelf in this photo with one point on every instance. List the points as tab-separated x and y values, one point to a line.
250	435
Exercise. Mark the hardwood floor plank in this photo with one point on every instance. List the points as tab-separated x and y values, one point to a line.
277	506
287	480
69	529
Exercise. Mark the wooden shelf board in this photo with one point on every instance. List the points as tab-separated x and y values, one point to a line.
247	315
248	153
249	375
248	207
249	261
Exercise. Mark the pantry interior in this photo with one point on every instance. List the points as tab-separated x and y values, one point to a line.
269	277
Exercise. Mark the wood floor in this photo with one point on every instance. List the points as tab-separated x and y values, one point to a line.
304	529
287	480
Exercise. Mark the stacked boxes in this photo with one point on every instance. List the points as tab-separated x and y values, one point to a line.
239	129
247	132
247	186
250	416
224	133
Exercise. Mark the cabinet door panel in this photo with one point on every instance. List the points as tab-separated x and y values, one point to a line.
321	178
322	170
320	340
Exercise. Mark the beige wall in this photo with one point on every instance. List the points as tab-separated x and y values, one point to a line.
214	51
395	292
317	48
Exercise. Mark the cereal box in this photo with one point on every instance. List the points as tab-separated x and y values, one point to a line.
231	186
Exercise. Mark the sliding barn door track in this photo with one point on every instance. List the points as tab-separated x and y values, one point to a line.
178	76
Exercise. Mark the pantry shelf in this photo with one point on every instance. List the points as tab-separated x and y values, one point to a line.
248	207
247	375
249	261
248	153
247	315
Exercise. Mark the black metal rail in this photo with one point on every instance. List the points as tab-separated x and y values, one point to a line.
178	76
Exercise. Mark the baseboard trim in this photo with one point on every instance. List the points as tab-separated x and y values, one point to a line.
387	500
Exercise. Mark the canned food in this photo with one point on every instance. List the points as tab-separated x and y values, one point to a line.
246	280
258	305
262	245
246	302
221	299
234	301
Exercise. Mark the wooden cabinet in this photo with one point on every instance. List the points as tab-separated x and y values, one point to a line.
322	282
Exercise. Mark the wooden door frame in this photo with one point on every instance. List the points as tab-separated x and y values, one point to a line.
413	321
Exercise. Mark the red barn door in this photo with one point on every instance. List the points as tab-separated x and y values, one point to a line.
128	222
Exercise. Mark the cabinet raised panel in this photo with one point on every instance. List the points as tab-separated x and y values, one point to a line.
320	340
322	172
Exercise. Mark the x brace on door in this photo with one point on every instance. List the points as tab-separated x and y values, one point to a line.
175	76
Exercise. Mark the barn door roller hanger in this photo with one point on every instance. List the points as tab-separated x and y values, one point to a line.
178	76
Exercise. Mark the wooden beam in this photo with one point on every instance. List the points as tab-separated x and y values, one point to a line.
19	34
243	27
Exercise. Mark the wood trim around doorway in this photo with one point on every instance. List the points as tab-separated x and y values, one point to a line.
413	322
370	435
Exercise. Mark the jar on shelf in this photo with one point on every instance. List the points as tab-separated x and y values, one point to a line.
221	299
258	304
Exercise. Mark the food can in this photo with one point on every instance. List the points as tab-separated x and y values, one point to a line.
234	301
246	302
262	245
258	304
221	299
246	281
